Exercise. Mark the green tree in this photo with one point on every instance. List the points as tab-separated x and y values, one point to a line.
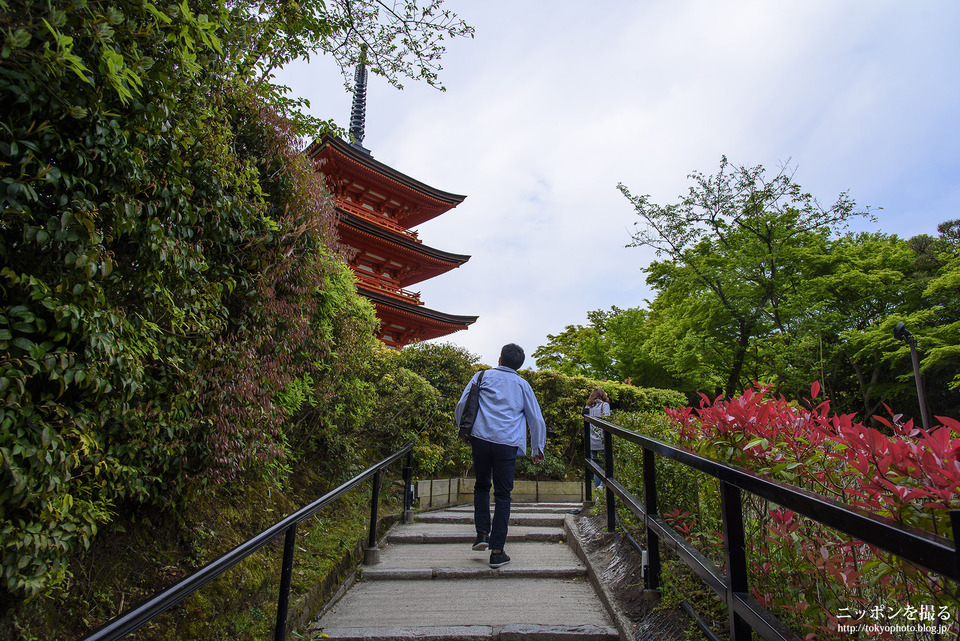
932	313
736	240
575	352
867	280
611	347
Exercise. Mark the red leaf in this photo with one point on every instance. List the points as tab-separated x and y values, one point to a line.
952	423
815	389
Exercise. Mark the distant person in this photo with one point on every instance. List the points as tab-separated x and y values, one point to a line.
507	409
598	406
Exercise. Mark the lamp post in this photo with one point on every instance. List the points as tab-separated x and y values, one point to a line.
900	332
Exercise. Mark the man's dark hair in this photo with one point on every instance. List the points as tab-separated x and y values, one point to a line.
512	356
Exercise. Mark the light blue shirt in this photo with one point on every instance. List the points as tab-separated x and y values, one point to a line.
507	408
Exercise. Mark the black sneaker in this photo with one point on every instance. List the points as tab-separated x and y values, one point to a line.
498	559
482	542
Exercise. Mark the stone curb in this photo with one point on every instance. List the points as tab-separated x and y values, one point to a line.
623	624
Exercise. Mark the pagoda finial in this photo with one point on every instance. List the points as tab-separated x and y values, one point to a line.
359	111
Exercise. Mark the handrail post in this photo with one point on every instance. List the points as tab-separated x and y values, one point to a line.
587	472
650	498
608	472
371	555
286	573
734	543
408	489
955	526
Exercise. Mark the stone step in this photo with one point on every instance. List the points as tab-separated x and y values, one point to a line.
433	555
516	518
544	508
376	573
464	532
444	561
552	505
430	585
456	609
516	632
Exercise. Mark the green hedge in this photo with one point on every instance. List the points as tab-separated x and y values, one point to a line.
563	397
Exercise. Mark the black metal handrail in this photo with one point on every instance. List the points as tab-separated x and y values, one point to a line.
924	549
133	619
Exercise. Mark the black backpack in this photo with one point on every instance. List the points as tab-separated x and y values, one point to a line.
470	410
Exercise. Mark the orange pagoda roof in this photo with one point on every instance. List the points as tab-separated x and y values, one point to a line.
376	208
410	260
402	322
360	182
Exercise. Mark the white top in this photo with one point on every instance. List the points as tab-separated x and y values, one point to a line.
599	409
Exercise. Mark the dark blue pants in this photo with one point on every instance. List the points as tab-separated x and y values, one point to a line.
597	455
500	463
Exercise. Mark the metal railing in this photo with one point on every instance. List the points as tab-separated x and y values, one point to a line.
924	549
132	620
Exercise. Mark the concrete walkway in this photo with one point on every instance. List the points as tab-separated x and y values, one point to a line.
430	584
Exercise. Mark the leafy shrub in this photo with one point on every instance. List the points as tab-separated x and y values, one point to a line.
679	487
814	577
448	368
551	468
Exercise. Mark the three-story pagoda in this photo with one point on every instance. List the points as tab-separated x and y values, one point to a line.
377	208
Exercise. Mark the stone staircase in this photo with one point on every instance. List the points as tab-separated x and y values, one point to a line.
430	584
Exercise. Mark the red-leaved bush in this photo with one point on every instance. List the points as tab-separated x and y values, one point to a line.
813	576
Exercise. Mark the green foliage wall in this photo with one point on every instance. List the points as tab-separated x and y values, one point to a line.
175	319
167	272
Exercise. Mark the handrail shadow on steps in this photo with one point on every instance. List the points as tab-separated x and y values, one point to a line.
133	619
924	549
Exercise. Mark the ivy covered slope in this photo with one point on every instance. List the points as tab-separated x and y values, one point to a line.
167	272
170	293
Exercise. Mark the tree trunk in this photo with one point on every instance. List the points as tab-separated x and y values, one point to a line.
733	381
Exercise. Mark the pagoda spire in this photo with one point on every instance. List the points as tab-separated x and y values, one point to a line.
359	111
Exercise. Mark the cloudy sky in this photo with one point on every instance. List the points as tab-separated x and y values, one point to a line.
553	103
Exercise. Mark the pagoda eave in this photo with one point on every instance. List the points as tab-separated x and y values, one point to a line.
425	262
403	322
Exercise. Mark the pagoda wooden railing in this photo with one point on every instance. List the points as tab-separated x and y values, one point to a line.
379	220
371	282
